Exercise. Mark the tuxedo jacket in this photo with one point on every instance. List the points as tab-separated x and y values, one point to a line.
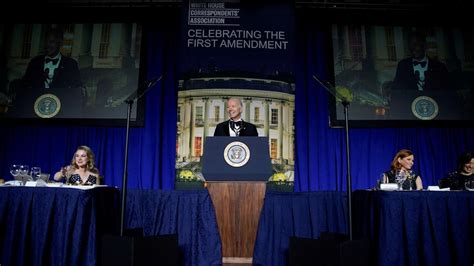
65	76
436	76
248	129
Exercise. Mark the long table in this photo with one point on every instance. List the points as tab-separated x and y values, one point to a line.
54	226
417	227
404	227
296	214
63	226
190	214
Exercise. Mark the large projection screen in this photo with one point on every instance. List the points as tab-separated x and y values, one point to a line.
403	75
70	72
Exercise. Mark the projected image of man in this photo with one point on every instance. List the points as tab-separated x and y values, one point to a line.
419	72
53	69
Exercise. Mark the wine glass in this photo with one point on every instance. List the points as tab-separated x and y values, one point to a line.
469	185
400	177
14	170
35	173
411	177
24	169
380	181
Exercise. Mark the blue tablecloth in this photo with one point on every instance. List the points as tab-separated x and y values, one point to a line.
417	227
190	214
63	226
54	226
296	214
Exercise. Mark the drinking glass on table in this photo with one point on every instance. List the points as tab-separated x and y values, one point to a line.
411	177
35	173
24	170
400	177
15	170
380	181
469	184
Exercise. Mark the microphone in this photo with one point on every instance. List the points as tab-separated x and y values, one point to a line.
142	89
152	82
323	82
331	89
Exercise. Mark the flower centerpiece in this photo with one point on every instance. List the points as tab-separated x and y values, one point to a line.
279	177
186	176
186	179
280	182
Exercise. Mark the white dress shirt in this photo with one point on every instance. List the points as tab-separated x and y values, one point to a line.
50	68
419	69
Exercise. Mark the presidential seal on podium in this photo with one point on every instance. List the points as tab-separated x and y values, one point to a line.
47	105
424	108
236	154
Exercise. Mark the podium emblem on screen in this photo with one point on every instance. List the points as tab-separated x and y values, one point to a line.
47	105
236	154
424	108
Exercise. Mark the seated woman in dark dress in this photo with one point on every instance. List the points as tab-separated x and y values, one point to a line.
82	170
465	172
401	172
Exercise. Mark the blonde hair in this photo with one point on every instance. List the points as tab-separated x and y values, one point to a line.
90	159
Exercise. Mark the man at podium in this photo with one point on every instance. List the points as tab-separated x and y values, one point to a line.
235	126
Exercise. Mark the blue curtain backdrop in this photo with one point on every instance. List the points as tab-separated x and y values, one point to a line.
320	155
151	148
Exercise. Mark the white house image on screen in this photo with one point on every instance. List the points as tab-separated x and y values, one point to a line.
269	106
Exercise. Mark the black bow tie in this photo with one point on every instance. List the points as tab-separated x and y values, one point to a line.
54	61
234	125
421	63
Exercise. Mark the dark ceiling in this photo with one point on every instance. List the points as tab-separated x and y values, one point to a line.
347	4
409	11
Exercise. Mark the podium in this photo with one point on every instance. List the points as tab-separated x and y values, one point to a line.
236	170
236	159
30	102
437	105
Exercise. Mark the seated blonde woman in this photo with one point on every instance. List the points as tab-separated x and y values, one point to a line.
401	171
82	169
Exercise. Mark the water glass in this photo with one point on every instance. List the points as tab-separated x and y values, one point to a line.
411	183
400	178
400	185
469	185
380	181
24	169
35	173
15	170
